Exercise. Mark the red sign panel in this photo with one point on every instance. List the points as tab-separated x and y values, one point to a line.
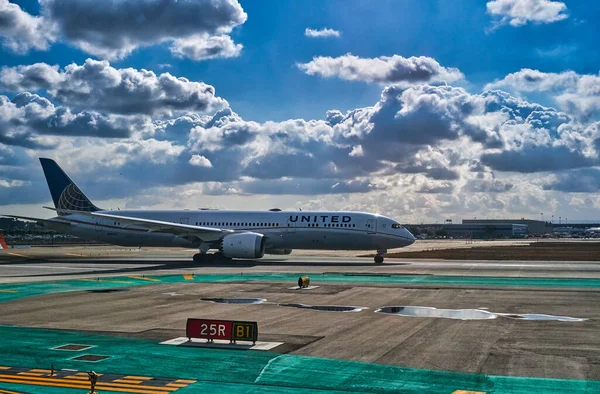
209	329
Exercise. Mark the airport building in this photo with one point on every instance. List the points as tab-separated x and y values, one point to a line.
484	231
475	231
533	226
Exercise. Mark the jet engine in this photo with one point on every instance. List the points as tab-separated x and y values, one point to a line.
246	245
278	251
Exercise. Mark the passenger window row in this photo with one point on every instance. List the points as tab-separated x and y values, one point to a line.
232	224
330	225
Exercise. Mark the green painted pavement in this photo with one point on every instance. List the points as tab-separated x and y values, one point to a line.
234	371
10	292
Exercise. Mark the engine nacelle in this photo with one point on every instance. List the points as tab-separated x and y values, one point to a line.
246	245
278	251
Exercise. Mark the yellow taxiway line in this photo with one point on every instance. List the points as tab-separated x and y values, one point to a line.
2	391
57	382
144	278
103	280
125	384
17	254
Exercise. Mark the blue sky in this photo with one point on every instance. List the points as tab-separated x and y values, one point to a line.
264	84
470	45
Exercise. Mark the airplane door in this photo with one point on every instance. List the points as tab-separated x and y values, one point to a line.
371	226
184	220
291	227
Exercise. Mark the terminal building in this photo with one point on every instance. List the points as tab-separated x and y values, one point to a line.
474	231
533	226
499	228
485	231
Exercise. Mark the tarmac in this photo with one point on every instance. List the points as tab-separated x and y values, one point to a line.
124	302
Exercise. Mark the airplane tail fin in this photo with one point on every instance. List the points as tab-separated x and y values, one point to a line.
65	193
3	244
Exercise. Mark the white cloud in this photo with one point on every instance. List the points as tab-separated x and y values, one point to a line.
578	95
520	12
28	116
205	47
528	80
98	86
21	32
200	161
321	33
421	151
357	150
112	29
383	70
12	183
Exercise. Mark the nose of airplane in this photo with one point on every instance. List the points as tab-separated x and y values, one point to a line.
409	237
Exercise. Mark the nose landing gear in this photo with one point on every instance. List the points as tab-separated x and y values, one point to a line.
379	256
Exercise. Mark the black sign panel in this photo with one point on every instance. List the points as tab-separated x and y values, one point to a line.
245	331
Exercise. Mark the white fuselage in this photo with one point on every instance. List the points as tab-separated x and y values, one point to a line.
282	229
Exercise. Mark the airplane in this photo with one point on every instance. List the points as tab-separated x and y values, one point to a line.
3	244
234	234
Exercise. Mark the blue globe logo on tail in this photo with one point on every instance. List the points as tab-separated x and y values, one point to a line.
65	194
73	199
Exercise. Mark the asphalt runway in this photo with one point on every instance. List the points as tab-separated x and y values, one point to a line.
134	298
42	264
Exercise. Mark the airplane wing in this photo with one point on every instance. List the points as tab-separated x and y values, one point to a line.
206	234
39	221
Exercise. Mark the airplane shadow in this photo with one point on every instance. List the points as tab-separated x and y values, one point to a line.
153	265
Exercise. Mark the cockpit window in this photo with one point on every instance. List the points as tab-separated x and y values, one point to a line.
396	225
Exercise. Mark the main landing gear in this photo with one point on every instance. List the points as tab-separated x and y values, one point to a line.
379	256
205	257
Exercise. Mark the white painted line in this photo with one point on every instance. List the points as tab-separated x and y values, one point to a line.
303	288
41	266
515	265
222	344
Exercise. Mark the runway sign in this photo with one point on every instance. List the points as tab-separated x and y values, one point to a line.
209	329
221	329
245	331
